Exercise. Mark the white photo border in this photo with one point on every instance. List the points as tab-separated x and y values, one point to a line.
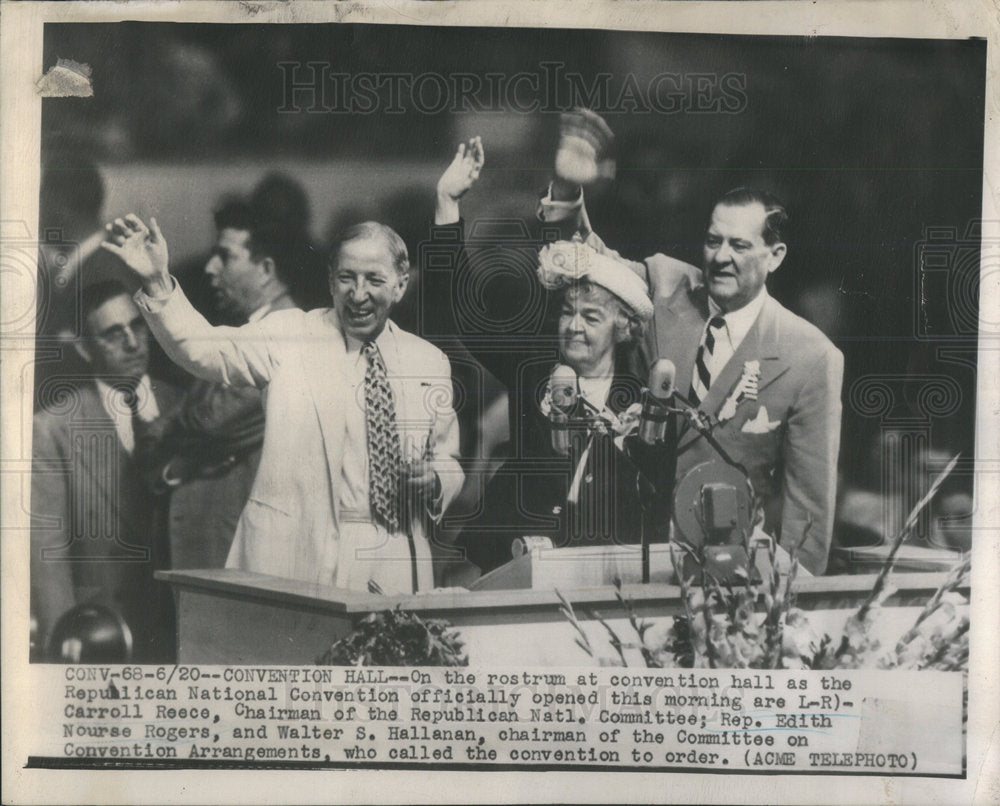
21	53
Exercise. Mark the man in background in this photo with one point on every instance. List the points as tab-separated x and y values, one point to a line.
93	539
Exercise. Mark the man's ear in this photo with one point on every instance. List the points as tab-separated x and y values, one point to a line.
404	280
82	351
778	252
269	268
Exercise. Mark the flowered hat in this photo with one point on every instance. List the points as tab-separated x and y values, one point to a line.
563	263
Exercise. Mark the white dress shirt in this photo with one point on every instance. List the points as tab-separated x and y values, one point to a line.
368	550
116	405
595	390
354	502
729	338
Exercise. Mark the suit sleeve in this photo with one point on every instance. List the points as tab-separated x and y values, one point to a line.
573	223
224	414
812	444
570	218
52	592
235	356
212	423
445	444
447	299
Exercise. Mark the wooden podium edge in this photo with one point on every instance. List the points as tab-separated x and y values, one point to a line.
810	592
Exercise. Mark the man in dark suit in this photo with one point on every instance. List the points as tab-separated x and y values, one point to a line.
92	532
767	380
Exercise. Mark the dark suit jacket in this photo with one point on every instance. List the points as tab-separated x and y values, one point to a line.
93	536
528	493
788	439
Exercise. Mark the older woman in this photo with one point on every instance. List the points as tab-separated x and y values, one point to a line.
562	336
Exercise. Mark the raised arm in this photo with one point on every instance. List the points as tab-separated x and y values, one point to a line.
243	356
584	138
444	288
457	179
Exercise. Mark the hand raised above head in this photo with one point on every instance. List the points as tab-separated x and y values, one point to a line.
142	249
584	139
463	171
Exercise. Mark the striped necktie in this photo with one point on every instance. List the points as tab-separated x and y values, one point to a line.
701	379
384	451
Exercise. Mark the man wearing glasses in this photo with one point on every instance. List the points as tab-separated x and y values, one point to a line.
92	539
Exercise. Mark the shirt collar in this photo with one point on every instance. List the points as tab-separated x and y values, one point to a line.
267	307
596	390
385	341
148	410
739	322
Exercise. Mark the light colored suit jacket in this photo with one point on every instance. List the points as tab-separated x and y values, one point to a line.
290	525
205	509
788	439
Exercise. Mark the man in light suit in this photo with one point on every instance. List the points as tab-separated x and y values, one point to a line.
361	441
208	454
93	539
769	381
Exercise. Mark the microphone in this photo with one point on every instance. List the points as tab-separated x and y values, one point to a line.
562	392
655	404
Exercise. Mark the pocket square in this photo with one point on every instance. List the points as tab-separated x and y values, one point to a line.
760	424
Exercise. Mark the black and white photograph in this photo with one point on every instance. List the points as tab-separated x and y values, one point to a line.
433	396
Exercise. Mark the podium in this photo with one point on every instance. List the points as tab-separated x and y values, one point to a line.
542	567
236	617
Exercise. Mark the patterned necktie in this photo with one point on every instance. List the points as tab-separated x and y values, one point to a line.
702	377
384	452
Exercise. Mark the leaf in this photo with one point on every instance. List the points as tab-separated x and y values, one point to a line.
397	638
904	530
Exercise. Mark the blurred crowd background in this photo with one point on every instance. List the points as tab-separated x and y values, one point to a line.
875	145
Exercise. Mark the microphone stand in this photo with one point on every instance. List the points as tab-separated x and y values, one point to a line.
656	464
704	426
700	422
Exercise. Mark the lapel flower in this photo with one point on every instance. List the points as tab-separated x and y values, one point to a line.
746	389
623	424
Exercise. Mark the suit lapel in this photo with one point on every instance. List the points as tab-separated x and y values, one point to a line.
768	345
413	391
760	344
102	459
323	357
398	374
678	334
